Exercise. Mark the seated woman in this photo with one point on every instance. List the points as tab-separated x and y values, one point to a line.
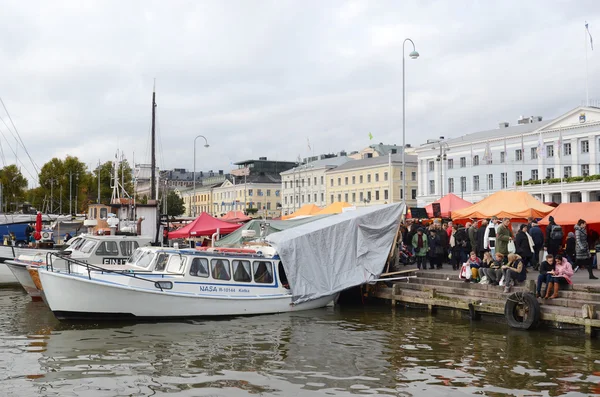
475	263
563	271
545	276
494	271
514	271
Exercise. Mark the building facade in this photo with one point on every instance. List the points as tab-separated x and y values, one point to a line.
375	180
256	193
556	160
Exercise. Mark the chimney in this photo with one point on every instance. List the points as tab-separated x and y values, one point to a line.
262	158
503	124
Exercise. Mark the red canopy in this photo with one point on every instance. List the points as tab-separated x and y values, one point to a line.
448	203
235	216
204	225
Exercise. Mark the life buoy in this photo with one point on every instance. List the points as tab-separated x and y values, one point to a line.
522	310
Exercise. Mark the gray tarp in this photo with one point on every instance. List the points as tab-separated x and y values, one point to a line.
329	255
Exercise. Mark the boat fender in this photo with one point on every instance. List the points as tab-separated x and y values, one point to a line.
522	310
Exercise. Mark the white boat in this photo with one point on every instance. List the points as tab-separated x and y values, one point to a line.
164	283
106	250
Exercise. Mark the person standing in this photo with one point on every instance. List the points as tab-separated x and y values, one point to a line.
503	236
523	247
570	248
554	237
489	242
481	238
582	250
421	245
538	243
435	248
472	230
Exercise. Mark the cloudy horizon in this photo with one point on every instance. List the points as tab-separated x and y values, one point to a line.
261	78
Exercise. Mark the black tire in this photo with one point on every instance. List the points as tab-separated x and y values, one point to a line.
522	302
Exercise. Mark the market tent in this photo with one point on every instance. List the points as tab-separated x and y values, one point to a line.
234	240
448	204
567	214
235	217
204	225
505	204
305	210
334	208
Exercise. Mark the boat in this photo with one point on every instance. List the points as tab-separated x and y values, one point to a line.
164	283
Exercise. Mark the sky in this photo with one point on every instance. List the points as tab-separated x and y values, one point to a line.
265	78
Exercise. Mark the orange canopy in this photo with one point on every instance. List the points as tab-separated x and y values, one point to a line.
334	208
567	214
448	204
505	204
235	217
305	210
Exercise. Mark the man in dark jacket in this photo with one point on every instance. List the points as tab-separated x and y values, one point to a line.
538	243
481	238
522	246
472	231
554	237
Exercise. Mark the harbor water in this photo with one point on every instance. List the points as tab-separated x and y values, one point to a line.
366	350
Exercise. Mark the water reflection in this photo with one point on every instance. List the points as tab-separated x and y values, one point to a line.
331	351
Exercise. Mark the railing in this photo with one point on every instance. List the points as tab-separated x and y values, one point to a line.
162	285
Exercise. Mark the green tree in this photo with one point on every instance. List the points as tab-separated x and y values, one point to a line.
66	184
175	205
14	185
106	173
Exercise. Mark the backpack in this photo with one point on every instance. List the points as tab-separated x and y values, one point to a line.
556	233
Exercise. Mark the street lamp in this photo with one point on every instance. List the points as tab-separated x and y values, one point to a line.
444	148
413	55
194	196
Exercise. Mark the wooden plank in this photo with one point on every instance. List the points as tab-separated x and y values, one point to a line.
399	272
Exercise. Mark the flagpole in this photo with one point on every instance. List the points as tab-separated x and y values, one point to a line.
587	88
522	164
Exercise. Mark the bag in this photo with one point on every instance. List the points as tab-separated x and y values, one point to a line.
484	280
556	233
438	250
465	272
501	283
511	247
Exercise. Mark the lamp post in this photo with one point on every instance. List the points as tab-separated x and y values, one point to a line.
413	55
194	194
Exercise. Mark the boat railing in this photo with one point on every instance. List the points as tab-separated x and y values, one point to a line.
162	285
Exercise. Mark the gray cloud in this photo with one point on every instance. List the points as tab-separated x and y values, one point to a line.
259	78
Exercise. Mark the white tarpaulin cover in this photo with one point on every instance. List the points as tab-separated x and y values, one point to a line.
329	255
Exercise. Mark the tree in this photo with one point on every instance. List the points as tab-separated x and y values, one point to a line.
175	205
106	181
66	184
13	187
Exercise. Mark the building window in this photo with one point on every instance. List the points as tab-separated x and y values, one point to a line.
285	200
534	175
550	173
567	149
431	166
269	204
368	196
345	180
463	162
450	164
354	197
376	195
308	181
450	185
361	197
585	146
315	200
585	169
414	194
302	182
332	199
377	177
413	176
431	187
463	183
490	181
568	172
268	192
550	150
322	180
339	196
322	197
339	181
315	181
502	157
534	153
503	180
285	184
519	176
476	183
360	179
476	160
401	193
518	155
353	180
331	182
346	197
385	176
386	194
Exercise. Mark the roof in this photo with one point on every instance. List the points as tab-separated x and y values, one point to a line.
383	149
264	178
373	161
325	163
505	204
246	162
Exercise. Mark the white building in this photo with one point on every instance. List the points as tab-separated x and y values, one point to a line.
306	184
532	155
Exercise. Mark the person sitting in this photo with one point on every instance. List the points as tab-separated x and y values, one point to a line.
545	276
494	272
67	237
486	262
514	271
474	263
563	271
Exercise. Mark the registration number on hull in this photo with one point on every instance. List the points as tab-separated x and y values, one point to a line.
114	261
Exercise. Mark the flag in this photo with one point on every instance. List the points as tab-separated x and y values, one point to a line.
522	149
471	154
540	146
308	142
559	144
589	34
370	136
487	155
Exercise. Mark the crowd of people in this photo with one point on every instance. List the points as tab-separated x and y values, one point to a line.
496	254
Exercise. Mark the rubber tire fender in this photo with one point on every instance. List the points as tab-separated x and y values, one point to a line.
530	303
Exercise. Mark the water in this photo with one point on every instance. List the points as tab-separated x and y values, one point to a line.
354	351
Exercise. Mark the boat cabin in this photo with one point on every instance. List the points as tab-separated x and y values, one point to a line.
107	250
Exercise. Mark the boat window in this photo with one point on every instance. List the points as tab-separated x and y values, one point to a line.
88	246
176	264
74	246
103	213
263	272
242	271
127	247
144	260
161	262
108	248
199	267
220	269
282	277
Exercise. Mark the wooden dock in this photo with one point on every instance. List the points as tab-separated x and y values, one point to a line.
576	307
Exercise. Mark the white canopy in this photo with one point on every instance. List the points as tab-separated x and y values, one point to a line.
335	253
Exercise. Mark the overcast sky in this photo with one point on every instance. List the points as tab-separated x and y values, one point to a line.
259	78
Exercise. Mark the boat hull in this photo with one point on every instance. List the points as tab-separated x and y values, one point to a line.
99	299
23	276
6	276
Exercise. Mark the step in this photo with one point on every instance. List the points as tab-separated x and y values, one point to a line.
457	283
495	293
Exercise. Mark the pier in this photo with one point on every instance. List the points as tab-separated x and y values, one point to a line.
575	308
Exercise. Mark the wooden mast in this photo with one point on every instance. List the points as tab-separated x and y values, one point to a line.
153	174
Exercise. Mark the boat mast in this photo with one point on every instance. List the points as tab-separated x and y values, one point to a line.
153	175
